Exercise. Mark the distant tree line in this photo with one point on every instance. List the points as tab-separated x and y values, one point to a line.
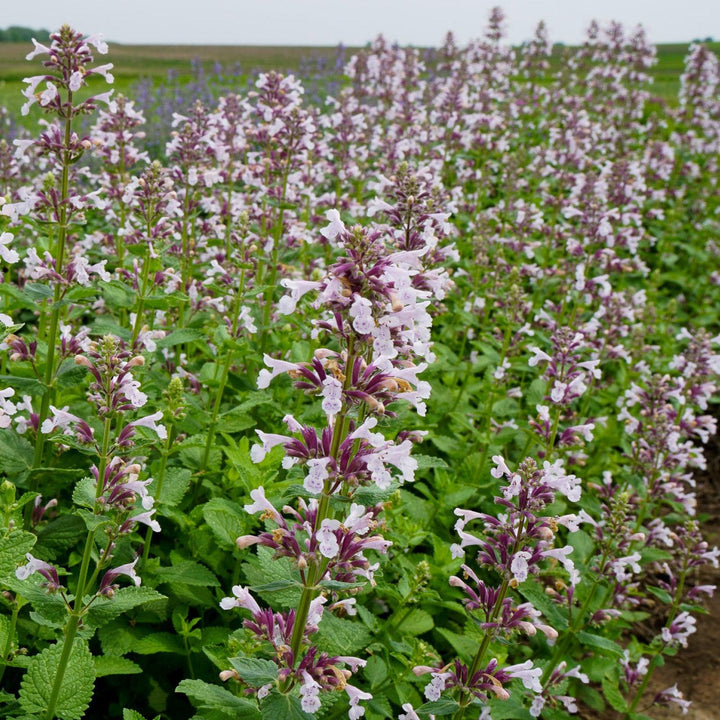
16	33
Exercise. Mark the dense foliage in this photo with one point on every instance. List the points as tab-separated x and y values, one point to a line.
387	406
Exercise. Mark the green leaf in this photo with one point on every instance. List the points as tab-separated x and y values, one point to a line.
255	672
613	695
505	407
226	519
342	637
463	645
188	572
104	610
662	595
179	337
235	421
175	485
443	706
430	461
599	642
375	670
264	569
277	706
204	695
510	709
50	606
37	291
16	453
530	591
92	521
24	385
84	493
113	665
13	548
59	535
77	685
131	715
70	375
416	622
157	643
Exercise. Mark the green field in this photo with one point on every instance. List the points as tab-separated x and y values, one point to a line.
133	62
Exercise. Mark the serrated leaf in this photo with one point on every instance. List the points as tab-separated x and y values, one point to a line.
416	622
226	520
84	493
188	572
37	291
70	375
375	670
613	695
429	461
443	706
92	521
77	685
598	641
131	715
277	706
662	595
104	610
157	643
24	386
50	606
510	709
178	337
235	421
530	591
255	672
341	637
275	586
175	485
59	535
264	569
13	548
464	646
16	454
113	665
205	695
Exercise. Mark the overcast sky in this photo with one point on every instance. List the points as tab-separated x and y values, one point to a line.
355	22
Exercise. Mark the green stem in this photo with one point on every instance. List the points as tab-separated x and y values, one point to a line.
316	572
51	338
654	660
158	488
69	633
10	637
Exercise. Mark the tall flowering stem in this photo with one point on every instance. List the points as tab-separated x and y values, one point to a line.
515	546
68	66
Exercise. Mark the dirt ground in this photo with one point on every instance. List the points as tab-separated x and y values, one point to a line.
695	669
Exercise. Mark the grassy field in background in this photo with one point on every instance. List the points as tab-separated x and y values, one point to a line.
133	62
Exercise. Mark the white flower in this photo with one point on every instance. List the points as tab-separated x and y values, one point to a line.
8	255
335	227
242	599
